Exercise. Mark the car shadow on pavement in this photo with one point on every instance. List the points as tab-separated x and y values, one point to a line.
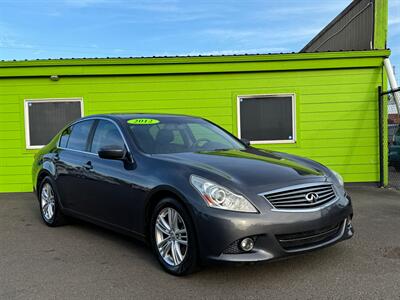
106	247
134	246
210	271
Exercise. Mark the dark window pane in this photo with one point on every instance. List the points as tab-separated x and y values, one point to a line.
65	137
106	134
79	135
47	118
266	118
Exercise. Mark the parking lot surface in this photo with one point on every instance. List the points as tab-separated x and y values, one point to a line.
81	261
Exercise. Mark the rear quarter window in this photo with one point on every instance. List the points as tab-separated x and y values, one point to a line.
65	137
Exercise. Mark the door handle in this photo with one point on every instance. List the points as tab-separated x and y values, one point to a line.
88	165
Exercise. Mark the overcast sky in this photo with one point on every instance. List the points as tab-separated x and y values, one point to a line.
32	29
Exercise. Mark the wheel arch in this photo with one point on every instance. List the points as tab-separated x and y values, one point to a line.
158	194
41	175
46	168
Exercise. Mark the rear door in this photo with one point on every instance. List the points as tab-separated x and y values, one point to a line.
71	164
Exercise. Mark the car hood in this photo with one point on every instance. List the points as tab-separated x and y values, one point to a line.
252	167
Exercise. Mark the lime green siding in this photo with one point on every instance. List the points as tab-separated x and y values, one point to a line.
336	100
380	24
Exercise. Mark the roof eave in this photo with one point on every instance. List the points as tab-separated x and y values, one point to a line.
195	59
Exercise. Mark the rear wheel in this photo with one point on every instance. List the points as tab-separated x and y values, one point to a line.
172	237
49	204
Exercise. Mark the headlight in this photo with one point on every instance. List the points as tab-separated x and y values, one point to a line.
338	177
219	197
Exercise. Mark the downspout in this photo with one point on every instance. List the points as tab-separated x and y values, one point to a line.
392	82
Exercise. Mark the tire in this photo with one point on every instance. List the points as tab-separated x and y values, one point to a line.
49	204
169	247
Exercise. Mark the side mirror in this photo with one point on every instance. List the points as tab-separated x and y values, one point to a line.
112	152
246	142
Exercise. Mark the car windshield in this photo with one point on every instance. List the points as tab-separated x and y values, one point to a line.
176	135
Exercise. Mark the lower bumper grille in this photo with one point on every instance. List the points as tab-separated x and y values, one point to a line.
234	248
309	239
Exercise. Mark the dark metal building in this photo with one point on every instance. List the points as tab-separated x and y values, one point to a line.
352	29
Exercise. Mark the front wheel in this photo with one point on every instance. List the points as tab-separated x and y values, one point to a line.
172	237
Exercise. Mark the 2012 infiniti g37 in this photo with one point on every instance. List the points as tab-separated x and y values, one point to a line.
192	190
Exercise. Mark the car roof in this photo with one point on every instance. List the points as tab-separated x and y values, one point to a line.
128	116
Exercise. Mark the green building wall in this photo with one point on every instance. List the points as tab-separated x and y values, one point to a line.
336	100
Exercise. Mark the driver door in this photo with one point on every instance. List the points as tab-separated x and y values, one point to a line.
111	197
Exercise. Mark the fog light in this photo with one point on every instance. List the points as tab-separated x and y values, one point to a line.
247	244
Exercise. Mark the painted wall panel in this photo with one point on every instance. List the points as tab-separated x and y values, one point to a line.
336	110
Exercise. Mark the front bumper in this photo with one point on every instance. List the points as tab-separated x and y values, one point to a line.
277	234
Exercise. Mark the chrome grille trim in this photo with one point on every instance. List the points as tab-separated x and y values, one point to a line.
293	199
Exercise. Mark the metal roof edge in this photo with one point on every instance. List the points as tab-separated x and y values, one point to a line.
194	59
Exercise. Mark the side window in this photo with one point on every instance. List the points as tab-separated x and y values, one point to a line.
106	134
65	137
79	135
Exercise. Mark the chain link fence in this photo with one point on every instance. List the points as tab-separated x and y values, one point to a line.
393	120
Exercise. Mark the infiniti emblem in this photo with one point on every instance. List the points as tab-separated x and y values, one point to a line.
311	197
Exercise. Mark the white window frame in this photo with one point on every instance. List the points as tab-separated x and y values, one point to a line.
42	100
244	97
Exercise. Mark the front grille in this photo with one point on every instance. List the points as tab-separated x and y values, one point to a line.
301	240
301	197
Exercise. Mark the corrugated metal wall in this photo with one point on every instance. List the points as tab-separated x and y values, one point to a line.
353	29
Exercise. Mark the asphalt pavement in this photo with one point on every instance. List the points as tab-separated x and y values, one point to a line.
82	261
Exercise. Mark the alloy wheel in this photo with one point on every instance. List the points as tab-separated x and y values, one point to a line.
47	201
171	236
